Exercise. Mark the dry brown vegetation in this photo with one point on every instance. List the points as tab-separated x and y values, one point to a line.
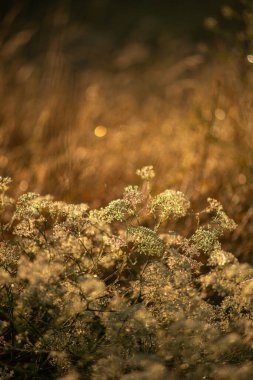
80	112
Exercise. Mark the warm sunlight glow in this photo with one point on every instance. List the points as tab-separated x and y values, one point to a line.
242	179
23	186
100	131
3	161
250	58
126	154
220	114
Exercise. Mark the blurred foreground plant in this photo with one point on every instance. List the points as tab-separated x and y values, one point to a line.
101	294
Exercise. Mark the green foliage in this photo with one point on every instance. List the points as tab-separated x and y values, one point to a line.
103	294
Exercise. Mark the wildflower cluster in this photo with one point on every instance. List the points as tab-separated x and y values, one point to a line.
168	204
102	294
116	211
145	241
4	184
146	173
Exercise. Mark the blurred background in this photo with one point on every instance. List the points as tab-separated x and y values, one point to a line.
92	90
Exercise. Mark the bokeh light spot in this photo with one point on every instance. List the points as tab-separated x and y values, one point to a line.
100	131
210	23
250	58
242	179
220	114
3	161
23	186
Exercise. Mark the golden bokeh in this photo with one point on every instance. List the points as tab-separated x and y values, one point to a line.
250	58
100	131
220	114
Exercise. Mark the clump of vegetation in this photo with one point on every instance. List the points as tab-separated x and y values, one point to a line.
187	107
103	294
